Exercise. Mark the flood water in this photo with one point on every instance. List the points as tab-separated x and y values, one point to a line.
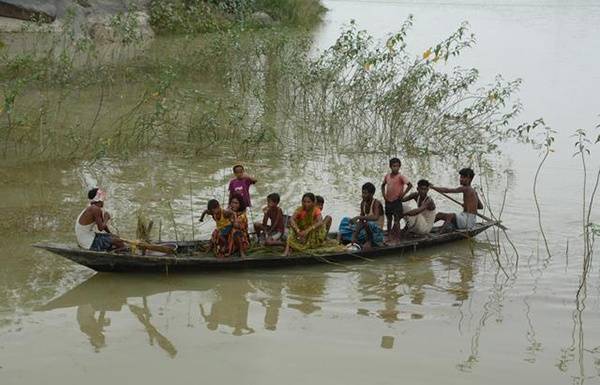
443	315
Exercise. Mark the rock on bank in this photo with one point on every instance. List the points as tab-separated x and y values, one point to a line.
94	14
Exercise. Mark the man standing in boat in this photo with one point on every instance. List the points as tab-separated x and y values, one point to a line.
468	217
91	226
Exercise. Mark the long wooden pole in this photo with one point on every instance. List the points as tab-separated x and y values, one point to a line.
479	215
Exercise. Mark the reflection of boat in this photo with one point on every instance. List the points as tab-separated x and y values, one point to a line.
109	292
189	257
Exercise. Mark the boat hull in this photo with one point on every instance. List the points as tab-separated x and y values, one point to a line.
120	262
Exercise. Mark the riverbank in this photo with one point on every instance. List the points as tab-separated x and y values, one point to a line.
157	16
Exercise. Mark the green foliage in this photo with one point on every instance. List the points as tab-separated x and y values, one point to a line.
381	98
297	13
186	16
197	16
244	93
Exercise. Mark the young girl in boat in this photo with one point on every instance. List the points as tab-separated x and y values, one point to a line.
238	238
307	230
232	226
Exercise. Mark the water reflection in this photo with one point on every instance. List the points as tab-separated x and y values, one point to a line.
230	308
233	304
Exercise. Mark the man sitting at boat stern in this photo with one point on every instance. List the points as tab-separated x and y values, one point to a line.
91	226
467	219
420	220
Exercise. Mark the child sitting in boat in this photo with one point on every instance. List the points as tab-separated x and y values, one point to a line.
272	226
365	230
327	218
307	230
232	226
420	220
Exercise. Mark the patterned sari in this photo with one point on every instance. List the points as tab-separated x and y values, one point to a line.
239	231
304	220
225	235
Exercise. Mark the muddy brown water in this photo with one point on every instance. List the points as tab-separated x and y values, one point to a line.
443	315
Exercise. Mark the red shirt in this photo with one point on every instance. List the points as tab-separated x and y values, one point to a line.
394	187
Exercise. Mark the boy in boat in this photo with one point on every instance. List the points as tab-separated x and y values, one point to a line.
393	189
91	226
420	220
367	228
241	184
471	203
327	219
273	233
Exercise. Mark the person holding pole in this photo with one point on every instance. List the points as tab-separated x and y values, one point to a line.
466	219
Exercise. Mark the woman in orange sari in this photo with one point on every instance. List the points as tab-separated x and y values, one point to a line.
307	230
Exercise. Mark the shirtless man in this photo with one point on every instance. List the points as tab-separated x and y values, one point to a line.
91	226
471	203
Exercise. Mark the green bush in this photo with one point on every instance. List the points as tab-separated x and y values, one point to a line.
297	13
197	16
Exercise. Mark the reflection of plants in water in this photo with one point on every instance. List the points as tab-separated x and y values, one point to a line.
577	351
493	306
583	145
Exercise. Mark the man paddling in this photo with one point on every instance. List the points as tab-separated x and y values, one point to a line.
471	203
91	226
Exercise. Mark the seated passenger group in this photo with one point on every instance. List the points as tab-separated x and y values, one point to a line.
307	228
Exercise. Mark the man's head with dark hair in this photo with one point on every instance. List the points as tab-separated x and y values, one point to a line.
92	193
370	187
368	190
466	176
273	197
395	161
424	183
423	187
468	172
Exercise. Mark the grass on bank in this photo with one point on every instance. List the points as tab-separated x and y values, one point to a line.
199	16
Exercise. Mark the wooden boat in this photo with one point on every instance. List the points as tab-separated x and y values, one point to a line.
190	257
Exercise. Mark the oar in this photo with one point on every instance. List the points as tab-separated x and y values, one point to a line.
167	249
500	225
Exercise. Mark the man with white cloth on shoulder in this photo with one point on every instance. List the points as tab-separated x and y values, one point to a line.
467	219
420	220
91	226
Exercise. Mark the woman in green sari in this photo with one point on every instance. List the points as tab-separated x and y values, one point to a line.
306	226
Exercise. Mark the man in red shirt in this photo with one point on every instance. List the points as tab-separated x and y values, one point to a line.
393	188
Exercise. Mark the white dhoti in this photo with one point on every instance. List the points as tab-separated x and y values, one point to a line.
465	221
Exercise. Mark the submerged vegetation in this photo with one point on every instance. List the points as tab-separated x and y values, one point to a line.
248	93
